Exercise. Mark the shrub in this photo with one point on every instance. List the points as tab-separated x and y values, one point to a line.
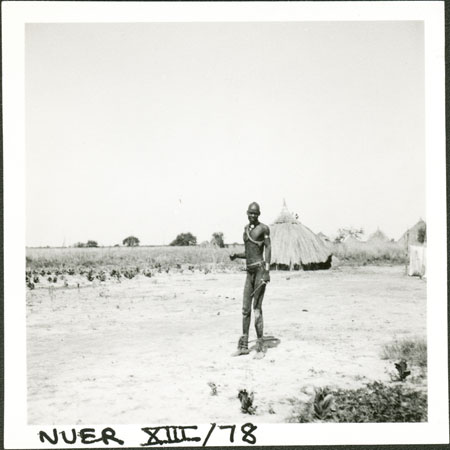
129	273
402	370
184	239
101	276
323	404
246	400
375	402
115	273
378	402
217	239
131	241
318	408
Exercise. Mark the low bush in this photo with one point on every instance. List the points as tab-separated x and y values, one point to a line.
246	399
375	402
413	350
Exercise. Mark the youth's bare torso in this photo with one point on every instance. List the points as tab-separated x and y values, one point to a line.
254	242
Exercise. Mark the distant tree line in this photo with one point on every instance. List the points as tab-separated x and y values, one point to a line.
183	239
343	233
86	244
218	240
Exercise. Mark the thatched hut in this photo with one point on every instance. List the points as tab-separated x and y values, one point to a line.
414	241
323	236
414	235
378	237
295	246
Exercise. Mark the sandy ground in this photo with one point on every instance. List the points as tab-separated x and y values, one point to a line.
144	350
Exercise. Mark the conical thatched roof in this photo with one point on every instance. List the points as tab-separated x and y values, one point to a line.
323	236
293	244
411	235
378	236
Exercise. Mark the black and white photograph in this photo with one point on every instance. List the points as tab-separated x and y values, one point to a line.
224	218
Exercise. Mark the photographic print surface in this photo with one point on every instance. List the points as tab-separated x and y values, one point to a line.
157	292
153	130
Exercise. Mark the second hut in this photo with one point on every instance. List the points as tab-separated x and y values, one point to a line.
295	246
378	237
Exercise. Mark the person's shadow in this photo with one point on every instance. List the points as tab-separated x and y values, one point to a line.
269	342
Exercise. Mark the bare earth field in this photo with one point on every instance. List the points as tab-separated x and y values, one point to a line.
144	350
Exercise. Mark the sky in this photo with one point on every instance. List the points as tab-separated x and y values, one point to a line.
154	129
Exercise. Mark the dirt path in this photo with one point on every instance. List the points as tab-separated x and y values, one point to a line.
144	350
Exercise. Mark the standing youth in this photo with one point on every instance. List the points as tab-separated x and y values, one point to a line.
257	255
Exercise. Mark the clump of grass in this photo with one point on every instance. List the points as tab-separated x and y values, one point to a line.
318	408
101	276
90	275
213	387
246	399
402	370
323	404
413	350
115	273
363	253
129	274
375	402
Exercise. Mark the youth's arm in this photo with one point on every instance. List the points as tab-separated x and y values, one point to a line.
233	256
267	252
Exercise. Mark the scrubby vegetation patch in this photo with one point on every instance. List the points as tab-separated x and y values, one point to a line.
375	402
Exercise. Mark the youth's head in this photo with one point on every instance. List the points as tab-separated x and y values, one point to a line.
253	213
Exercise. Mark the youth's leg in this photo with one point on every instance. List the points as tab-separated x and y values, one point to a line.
247	303
257	304
246	316
259	322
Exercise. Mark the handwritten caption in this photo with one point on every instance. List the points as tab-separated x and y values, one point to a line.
163	435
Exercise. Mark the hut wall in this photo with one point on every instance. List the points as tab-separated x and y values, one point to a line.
417	261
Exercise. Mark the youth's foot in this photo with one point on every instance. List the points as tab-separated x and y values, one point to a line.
260	349
240	352
242	347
